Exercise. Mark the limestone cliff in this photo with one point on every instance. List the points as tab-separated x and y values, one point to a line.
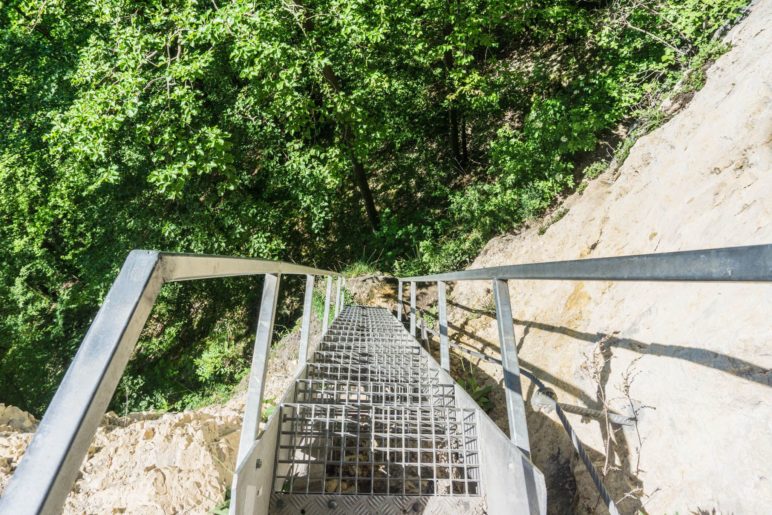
691	360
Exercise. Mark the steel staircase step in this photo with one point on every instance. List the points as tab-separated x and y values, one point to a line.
394	359
372	373
377	450
373	430
322	391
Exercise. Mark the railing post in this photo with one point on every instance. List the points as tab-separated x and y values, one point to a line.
424	336
50	466
443	315
257	373
412	308
518	430
305	326
399	301
338	296
327	295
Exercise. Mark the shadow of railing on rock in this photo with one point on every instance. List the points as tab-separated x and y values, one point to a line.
706	358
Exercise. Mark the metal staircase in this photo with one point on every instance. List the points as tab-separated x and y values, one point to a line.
373	425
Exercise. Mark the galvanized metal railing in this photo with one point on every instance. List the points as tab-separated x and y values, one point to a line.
51	463
732	264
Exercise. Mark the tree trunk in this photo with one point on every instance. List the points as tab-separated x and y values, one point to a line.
453	135
367	196
347	134
448	61
360	177
464	144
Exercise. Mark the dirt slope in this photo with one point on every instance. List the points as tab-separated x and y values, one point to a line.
693	360
157	463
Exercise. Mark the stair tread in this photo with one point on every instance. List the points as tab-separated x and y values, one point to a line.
371	420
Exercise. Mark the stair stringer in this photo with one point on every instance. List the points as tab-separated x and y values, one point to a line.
252	486
504	470
503	492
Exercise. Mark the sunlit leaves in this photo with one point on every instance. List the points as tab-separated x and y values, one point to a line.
229	127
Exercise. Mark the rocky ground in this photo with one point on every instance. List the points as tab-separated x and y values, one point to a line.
158	463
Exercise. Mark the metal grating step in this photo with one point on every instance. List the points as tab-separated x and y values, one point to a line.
322	391
372	429
395	450
372	373
394	359
370	346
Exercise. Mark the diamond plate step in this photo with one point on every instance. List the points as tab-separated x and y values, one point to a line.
286	504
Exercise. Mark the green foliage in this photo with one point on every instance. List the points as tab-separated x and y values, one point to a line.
317	301
234	127
223	507
269	408
359	268
595	169
478	392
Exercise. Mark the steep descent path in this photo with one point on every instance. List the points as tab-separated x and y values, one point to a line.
374	425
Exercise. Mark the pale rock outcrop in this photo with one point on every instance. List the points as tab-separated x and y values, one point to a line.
692	360
144	462
14	419
16	429
173	463
157	463
373	290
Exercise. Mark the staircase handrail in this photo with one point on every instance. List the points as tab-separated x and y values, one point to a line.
53	459
752	263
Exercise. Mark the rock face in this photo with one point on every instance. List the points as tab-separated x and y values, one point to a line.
145	462
373	290
174	463
153	463
16	429
692	361
14	419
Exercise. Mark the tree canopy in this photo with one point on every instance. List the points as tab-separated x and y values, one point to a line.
318	131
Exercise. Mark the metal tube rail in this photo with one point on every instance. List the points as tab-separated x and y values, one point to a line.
751	263
327	295
257	372
599	486
732	264
443	326
518	428
399	301
305	326
412	309
51	463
